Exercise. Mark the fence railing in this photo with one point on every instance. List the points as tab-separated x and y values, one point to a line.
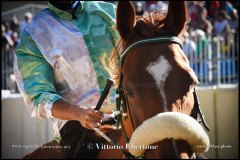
214	60
8	78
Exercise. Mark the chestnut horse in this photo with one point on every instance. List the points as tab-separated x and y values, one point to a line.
153	77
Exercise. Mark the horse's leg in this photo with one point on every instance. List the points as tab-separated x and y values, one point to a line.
51	150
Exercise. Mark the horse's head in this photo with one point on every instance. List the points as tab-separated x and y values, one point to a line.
155	75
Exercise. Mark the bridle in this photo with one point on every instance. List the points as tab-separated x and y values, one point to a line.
121	101
121	97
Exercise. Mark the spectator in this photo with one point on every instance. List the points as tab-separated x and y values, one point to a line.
162	6
15	38
202	22
226	6
150	5
139	9
233	21
8	30
7	42
27	20
212	7
14	24
152	8
221	25
192	7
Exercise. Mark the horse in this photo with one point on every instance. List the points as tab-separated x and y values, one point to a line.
154	91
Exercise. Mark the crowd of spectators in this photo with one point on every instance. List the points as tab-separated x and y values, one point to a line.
207	18
10	39
212	17
11	30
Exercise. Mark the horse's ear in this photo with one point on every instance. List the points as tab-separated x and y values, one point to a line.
125	18
177	17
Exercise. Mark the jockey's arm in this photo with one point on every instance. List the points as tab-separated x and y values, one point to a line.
88	117
35	80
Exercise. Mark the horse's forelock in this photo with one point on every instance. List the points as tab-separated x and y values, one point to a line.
152	25
112	64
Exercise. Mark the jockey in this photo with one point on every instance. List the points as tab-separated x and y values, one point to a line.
57	66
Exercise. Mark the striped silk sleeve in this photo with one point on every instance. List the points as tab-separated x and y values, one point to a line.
35	78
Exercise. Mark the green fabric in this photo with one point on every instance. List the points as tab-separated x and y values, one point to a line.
58	139
62	14
96	23
38	84
97	26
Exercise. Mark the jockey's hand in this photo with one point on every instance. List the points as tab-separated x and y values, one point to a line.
90	118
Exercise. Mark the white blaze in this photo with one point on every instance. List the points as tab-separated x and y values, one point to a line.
160	70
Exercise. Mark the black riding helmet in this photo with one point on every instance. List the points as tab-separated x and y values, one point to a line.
63	5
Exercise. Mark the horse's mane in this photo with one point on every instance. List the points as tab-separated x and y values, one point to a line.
149	25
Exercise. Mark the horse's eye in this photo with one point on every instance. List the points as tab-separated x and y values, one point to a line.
128	93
